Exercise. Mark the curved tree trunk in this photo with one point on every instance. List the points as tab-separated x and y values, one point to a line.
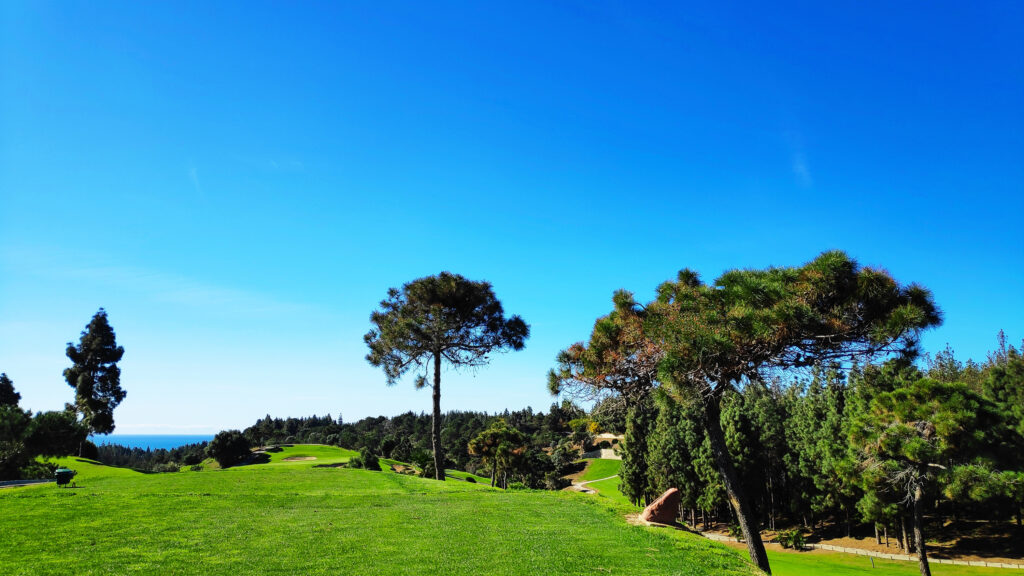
435	421
922	556
740	505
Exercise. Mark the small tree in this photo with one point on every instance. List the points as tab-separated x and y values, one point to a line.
499	446
440	317
913	435
229	448
95	376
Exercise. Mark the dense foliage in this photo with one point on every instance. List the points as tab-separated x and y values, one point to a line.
229	448
150	460
861	446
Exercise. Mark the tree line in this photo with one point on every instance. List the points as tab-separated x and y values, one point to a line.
544	442
840	446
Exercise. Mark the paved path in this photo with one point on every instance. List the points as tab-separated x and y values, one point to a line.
582	486
15	483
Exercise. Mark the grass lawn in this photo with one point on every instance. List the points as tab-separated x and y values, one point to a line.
464	475
610	489
599	468
291	518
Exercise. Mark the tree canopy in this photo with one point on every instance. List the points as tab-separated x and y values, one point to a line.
435	318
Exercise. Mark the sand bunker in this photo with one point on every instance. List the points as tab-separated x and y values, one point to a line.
298	458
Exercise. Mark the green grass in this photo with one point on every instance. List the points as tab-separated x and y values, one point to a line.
292	518
599	468
464	475
836	564
322	454
610	489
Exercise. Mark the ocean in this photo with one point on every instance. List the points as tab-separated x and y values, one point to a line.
151	441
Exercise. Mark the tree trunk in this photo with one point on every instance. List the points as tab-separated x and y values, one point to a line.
905	542
771	498
737	497
435	421
493	474
922	556
878	537
885	531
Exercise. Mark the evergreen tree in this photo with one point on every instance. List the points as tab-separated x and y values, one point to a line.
8	397
14	422
444	316
914	434
719	337
639	425
95	376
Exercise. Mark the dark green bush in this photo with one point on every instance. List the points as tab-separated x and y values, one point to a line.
791	539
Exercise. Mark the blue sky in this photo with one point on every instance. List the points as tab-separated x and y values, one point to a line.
238	185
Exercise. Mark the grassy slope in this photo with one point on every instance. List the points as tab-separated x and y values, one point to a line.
291	518
598	468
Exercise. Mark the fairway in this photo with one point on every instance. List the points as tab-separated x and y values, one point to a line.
288	517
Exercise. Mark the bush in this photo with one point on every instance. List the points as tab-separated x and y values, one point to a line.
736	532
228	448
470	479
366	460
791	539
196	468
516	486
604	445
38	470
168	467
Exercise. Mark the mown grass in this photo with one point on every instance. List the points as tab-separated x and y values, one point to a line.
292	518
610	489
600	468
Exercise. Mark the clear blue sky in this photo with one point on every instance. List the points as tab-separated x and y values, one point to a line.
239	184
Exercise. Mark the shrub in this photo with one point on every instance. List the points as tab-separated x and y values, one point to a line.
366	460
516	486
470	479
604	445
369	460
168	467
228	448
196	468
736	532
791	539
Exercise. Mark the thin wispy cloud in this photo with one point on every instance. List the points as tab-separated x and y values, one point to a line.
157	286
193	176
798	159
801	171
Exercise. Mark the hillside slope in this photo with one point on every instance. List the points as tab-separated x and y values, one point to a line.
288	517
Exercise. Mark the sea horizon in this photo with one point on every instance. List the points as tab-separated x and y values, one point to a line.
151	441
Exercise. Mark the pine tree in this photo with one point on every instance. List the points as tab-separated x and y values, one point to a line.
95	376
639	425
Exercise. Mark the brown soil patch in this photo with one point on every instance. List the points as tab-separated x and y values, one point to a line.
298	458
